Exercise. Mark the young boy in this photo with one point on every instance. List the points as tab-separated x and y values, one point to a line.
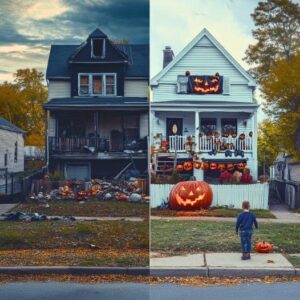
244	224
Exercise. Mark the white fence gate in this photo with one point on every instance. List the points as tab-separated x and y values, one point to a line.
223	194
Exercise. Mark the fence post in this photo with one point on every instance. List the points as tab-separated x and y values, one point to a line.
6	181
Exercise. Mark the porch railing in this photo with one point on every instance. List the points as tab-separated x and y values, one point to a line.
177	143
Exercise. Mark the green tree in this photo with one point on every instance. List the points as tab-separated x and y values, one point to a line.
21	102
277	35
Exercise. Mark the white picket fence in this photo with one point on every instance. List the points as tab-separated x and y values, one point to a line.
223	194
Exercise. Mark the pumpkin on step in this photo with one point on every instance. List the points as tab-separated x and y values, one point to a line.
263	247
190	195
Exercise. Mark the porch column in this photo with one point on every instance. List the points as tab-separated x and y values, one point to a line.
254	151
198	173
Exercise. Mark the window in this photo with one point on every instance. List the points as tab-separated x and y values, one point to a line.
97	84
5	159
182	82
16	151
229	127
208	126
98	48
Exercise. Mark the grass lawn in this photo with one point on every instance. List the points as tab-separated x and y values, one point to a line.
295	260
89	208
179	237
213	212
117	243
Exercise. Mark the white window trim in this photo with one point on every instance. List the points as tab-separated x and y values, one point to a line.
90	90
92	48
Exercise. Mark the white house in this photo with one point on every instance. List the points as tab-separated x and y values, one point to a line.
11	149
203	92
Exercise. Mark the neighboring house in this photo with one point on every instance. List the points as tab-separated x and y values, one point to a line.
285	180
97	108
204	93
11	149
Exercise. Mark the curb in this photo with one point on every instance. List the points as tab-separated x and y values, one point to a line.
162	272
75	270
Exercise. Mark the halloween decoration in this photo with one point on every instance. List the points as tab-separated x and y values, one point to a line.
213	166
263	247
205	84
189	195
164	143
240	166
208	137
236	176
205	166
81	195
179	168
188	166
230	167
242	136
251	133
216	134
213	152
221	167
225	177
228	153
233	135
239	153
246	178
197	165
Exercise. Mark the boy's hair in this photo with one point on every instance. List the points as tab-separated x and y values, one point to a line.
246	205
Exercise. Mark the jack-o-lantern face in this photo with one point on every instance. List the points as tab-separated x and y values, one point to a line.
205	166
213	166
240	166
206	84
263	247
190	195
179	168
221	167
230	167
197	165
188	166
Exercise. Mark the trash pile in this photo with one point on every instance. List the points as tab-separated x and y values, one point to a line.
132	190
32	217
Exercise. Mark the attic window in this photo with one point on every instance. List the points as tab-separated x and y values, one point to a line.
98	48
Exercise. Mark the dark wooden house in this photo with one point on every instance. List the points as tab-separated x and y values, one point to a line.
97	109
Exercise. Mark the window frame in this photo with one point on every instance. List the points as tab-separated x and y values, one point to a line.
90	84
92	48
16	152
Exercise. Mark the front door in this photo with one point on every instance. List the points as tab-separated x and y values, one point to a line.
174	126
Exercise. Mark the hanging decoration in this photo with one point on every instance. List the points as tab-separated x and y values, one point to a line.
228	153
242	136
239	153
203	84
213	152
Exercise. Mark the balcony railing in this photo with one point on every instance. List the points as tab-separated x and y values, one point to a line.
177	143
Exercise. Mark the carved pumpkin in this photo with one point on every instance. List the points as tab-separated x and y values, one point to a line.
213	166
240	166
221	167
205	166
206	84
230	167
189	195
164	144
188	166
179	168
242	136
197	165
263	247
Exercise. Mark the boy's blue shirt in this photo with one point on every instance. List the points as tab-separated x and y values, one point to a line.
245	221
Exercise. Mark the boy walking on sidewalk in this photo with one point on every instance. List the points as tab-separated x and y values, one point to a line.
244	224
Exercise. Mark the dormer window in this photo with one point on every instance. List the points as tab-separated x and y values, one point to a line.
98	48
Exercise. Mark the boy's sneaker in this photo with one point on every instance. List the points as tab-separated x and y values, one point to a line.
244	256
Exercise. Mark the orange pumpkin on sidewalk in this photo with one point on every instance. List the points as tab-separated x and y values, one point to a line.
263	247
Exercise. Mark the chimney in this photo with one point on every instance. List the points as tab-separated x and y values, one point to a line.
168	56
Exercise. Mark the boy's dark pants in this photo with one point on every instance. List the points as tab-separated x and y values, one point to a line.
246	240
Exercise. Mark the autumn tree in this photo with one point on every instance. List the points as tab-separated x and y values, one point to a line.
21	102
277	35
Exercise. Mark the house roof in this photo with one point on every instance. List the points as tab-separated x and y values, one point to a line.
6	125
137	56
188	47
91	102
97	33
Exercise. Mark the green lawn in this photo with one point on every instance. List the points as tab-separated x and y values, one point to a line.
177	236
117	243
89	208
213	212
295	260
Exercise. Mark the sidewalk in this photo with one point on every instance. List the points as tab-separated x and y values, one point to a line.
222	264
4	208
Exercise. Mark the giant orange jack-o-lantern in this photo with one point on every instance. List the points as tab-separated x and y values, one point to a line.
263	247
190	195
197	165
188	166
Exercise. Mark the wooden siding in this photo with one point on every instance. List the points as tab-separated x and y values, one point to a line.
295	172
135	88
7	145
59	89
257	194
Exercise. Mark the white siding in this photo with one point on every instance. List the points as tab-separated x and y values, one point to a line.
295	172
52	127
7	145
135	88
59	89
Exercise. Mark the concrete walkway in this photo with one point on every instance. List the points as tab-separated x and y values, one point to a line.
282	212
222	264
4	208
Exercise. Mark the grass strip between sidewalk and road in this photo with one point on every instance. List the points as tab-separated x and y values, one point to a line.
175	237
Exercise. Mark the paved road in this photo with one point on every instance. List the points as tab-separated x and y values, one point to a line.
131	291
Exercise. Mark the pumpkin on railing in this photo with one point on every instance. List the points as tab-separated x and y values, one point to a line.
188	166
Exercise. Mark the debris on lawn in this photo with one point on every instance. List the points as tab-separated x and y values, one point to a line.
32	217
131	190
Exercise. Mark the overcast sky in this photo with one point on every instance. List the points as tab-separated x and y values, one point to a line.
29	27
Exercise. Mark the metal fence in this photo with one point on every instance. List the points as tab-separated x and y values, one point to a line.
223	194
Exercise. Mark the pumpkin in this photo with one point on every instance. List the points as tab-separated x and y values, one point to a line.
263	247
188	166
197	165
122	197
230	167
80	195
190	195
213	166
179	168
216	134
221	167
205	165
242	136
164	144
240	166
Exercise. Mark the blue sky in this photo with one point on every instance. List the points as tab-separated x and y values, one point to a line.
29	27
